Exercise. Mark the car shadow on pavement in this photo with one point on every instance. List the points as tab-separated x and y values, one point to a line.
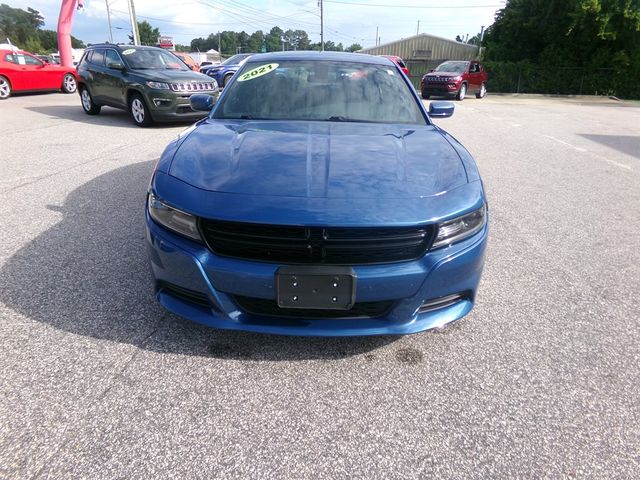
107	116
88	275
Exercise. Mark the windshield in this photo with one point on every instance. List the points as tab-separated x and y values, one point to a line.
320	90
236	59
454	67
152	59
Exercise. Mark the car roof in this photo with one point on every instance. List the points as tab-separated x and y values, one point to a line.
314	55
123	47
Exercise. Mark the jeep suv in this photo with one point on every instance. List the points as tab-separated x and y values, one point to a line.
150	83
455	79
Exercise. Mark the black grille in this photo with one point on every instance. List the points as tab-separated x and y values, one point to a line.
270	308
182	293
316	245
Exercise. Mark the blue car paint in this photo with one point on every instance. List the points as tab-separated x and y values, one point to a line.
318	174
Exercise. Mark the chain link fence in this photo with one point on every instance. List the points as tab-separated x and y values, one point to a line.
529	78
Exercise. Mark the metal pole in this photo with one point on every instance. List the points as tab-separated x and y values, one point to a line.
134	23
109	20
219	48
376	36
321	27
418	29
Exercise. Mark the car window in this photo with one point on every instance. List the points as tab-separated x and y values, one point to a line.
320	90
9	57
98	57
29	60
236	59
474	68
111	56
454	67
152	59
401	63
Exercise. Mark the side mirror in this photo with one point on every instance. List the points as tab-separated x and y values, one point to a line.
441	109
115	66
201	103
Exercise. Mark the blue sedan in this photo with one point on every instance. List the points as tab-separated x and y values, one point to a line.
223	72
317	198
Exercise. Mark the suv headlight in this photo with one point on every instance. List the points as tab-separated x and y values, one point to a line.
172	218
158	85
461	227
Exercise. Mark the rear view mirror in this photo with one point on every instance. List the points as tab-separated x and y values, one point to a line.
115	66
201	102
440	109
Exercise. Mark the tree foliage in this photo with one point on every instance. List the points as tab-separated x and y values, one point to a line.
587	34
24	29
148	34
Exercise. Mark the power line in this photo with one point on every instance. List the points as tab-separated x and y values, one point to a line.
412	6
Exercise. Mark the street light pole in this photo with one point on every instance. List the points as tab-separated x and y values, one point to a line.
109	20
134	23
321	26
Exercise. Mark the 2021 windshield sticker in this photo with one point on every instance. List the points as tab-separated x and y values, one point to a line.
129	51
258	72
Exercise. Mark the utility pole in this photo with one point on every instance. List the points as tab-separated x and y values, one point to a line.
481	33
134	23
376	36
418	29
109	20
219	50
321	26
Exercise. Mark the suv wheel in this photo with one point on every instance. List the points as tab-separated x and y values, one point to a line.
139	111
482	92
5	88
462	92
226	79
89	107
69	84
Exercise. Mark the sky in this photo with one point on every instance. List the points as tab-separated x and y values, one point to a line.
345	21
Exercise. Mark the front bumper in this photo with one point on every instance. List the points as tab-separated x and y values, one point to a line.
168	106
440	89
196	284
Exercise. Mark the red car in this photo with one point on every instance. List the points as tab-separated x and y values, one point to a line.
455	79
399	62
22	71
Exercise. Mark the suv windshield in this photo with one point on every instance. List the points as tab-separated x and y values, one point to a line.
236	59
152	59
320	90
454	67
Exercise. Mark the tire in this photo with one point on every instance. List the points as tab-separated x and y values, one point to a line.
462	92
226	79
5	88
482	92
88	105
139	111
425	95
69	84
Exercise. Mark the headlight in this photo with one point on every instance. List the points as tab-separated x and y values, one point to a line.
460	228
158	85
173	219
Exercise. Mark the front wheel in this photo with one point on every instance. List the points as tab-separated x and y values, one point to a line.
139	111
462	92
69	84
5	88
226	79
482	92
88	105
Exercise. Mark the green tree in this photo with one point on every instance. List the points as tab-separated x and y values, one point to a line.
148	34
353	47
274	39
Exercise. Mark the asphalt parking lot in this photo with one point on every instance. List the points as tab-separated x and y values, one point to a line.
541	380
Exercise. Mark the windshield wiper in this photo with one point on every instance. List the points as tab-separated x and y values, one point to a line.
340	118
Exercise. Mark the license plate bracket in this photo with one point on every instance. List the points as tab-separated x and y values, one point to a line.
316	288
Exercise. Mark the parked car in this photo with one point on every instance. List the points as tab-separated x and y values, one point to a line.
22	71
205	64
317	201
222	73
399	62
455	79
48	59
186	58
149	82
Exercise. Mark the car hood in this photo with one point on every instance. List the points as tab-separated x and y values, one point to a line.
318	159
444	74
172	75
